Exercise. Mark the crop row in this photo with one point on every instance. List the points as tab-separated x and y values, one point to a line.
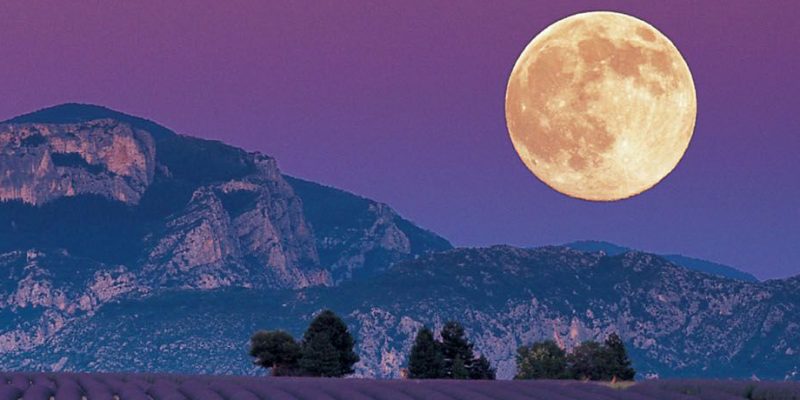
79	386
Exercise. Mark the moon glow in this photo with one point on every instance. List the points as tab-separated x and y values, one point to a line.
600	106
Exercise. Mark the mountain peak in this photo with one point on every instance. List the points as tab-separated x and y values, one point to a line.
71	113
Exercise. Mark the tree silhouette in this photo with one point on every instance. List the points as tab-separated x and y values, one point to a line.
542	360
327	348
619	364
276	350
426	360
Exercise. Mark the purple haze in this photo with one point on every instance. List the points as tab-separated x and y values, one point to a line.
403	103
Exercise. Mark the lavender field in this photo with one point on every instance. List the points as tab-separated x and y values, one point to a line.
77	386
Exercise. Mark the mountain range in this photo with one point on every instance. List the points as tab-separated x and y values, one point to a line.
127	247
696	264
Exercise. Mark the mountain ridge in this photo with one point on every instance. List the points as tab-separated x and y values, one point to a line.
71	113
675	322
171	210
122	240
693	263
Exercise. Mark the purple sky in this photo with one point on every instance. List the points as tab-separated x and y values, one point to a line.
403	103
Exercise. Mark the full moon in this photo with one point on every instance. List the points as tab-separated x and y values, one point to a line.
600	106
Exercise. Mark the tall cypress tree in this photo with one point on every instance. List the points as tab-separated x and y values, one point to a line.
425	360
618	360
327	348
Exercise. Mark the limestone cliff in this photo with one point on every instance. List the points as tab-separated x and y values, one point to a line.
130	204
358	238
42	292
43	162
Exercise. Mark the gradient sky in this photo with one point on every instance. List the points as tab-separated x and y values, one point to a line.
404	102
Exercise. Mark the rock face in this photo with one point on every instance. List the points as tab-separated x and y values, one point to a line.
676	322
359	238
95	204
42	291
248	232
43	162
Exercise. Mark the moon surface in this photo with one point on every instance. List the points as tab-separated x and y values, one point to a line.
601	106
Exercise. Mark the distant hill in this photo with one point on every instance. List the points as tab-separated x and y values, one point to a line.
696	264
675	322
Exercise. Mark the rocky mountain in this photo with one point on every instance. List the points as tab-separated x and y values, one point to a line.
357	237
90	196
676	322
125	246
43	292
696	264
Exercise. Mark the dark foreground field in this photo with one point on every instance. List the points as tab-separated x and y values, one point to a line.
69	386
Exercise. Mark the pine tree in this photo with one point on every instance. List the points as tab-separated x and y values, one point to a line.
327	348
482	369
542	360
276	350
456	348
452	358
619	364
459	369
425	360
320	357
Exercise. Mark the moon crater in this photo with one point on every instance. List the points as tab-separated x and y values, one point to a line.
600	106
